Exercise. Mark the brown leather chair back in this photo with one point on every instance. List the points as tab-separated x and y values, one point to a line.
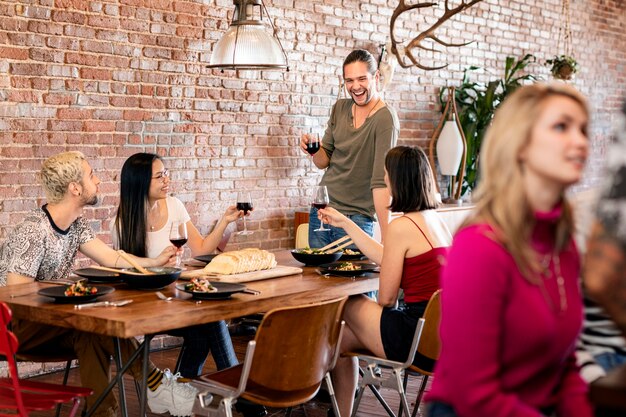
295	346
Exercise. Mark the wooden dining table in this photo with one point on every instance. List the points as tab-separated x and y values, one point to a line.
148	315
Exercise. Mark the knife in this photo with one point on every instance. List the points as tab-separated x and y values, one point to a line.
103	304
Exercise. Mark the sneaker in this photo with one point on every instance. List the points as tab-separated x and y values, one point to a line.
172	396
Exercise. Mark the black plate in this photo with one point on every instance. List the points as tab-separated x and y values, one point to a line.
315	259
224	290
205	258
58	293
332	269
354	257
96	275
162	277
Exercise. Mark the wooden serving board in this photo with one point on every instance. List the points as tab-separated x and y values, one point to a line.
277	271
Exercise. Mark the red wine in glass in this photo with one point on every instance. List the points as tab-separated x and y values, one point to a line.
244	202
245	206
312	147
178	236
178	242
320	201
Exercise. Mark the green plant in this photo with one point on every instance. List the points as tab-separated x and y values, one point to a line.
563	66
476	103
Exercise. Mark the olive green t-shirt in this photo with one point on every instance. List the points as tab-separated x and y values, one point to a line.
357	157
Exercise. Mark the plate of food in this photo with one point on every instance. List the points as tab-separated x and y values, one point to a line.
312	256
348	269
205	258
98	275
203	289
79	292
351	255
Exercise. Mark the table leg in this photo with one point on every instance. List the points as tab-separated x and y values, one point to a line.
119	376
120	386
144	371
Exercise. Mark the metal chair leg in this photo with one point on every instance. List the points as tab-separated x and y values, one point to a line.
403	401
66	375
406	381
420	394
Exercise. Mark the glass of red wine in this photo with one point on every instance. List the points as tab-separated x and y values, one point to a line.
178	237
320	201
244	202
313	145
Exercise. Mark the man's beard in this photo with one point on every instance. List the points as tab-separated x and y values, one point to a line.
94	200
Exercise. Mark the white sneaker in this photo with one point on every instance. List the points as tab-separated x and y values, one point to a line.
172	396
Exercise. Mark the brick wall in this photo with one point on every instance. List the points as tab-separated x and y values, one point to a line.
112	78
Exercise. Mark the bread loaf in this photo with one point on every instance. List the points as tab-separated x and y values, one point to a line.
239	261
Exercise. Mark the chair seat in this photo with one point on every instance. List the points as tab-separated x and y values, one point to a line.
34	401
259	394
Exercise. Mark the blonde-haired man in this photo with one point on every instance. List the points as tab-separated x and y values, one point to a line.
43	247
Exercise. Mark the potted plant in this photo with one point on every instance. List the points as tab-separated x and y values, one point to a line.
476	103
562	66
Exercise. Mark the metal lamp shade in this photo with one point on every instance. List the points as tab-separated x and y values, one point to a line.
449	148
247	46
248	43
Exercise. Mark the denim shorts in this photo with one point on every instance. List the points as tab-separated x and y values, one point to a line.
320	239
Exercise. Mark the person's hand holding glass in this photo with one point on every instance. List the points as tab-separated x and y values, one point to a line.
310	143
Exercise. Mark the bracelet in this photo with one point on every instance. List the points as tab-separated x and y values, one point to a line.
117	259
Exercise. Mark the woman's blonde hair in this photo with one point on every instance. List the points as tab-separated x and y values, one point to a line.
499	197
58	172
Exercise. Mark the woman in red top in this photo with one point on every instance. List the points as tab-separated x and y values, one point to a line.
415	245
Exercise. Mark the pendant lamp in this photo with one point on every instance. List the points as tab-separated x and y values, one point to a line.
247	44
451	149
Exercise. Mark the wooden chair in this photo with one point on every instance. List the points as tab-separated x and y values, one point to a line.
292	353
302	236
23	395
428	349
425	341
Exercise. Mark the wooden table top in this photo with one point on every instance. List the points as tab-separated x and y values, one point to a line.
150	315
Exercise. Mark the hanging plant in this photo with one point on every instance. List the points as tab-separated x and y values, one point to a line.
562	67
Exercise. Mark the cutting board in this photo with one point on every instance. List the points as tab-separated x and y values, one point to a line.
277	271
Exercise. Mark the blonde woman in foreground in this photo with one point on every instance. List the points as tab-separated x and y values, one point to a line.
511	306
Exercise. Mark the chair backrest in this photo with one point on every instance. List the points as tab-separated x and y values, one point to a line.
302	236
429	344
296	346
8	348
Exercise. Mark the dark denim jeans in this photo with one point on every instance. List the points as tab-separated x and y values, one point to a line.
320	239
436	409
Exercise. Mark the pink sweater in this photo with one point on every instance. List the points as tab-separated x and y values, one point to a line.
507	350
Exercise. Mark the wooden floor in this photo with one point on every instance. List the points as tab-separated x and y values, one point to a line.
167	359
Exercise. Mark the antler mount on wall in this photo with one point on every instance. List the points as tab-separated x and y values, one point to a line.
408	59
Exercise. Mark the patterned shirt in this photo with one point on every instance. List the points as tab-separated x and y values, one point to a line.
37	248
612	209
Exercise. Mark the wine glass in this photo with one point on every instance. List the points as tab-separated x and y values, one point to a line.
320	201
312	146
178	237
244	202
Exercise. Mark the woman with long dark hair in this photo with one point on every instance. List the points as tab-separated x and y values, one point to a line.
415	247
142	228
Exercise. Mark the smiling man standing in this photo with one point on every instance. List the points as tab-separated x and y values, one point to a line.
360	131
